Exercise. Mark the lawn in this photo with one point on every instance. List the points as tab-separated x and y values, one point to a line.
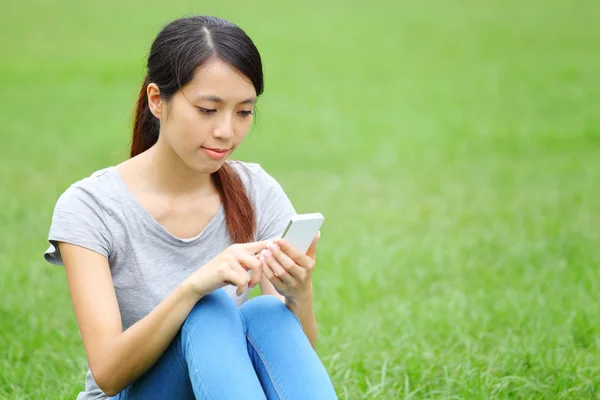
453	147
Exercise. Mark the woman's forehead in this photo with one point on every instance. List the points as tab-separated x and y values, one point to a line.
219	82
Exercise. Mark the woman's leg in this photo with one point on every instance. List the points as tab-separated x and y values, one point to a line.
214	346
286	364
168	378
208	359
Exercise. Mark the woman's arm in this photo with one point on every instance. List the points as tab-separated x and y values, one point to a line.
117	358
303	308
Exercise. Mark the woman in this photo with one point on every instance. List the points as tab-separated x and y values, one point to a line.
161	250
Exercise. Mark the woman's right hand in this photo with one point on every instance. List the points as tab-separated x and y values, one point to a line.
229	268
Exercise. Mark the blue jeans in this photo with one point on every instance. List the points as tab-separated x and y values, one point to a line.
256	351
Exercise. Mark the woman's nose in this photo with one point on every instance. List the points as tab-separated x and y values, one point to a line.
224	129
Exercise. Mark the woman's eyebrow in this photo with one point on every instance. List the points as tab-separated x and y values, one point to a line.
217	99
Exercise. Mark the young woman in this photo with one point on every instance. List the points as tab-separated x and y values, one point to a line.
161	250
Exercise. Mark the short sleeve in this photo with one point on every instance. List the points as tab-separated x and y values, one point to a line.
274	208
78	219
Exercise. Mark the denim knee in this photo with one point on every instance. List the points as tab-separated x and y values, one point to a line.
268	308
213	307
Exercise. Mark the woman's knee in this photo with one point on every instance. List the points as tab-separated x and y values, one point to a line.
213	310
267	310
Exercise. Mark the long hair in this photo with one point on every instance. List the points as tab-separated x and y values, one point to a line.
178	51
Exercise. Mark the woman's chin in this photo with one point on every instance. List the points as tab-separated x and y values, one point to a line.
209	167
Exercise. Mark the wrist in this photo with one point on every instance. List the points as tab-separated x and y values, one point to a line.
300	299
189	291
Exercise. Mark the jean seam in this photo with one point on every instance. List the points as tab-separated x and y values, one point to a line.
269	372
196	372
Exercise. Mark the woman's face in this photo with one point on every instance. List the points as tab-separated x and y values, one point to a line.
205	121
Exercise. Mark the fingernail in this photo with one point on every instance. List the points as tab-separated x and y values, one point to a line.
318	234
272	246
268	254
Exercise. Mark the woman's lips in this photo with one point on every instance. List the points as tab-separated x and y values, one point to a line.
216	154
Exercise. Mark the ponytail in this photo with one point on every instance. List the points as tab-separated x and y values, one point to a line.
239	213
145	125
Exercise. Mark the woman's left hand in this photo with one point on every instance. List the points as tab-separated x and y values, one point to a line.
289	270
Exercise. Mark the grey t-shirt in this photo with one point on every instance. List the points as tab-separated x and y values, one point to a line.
146	261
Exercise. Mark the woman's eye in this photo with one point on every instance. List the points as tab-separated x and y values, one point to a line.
207	110
246	113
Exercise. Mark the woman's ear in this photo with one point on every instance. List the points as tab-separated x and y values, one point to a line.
154	100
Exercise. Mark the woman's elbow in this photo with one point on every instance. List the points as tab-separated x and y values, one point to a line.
108	389
105	382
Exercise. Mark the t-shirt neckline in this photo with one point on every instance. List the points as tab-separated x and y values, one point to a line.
151	222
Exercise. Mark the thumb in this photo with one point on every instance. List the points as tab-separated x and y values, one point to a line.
312	250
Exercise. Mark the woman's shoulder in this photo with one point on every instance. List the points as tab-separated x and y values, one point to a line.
96	178
94	188
263	189
80	216
253	175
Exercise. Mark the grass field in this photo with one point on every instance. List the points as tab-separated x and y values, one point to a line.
453	146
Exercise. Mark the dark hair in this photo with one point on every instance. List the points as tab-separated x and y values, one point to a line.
177	52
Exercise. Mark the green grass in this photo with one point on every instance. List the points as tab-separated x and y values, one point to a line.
454	147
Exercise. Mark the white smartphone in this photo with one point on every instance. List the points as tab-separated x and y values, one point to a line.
302	229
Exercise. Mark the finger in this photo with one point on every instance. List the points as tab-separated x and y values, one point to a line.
242	278
277	268
285	261
253	247
301	259
268	271
254	264
234	279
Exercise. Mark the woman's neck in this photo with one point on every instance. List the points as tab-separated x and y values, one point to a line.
164	172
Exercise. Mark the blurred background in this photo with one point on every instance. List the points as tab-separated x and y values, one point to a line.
453	147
